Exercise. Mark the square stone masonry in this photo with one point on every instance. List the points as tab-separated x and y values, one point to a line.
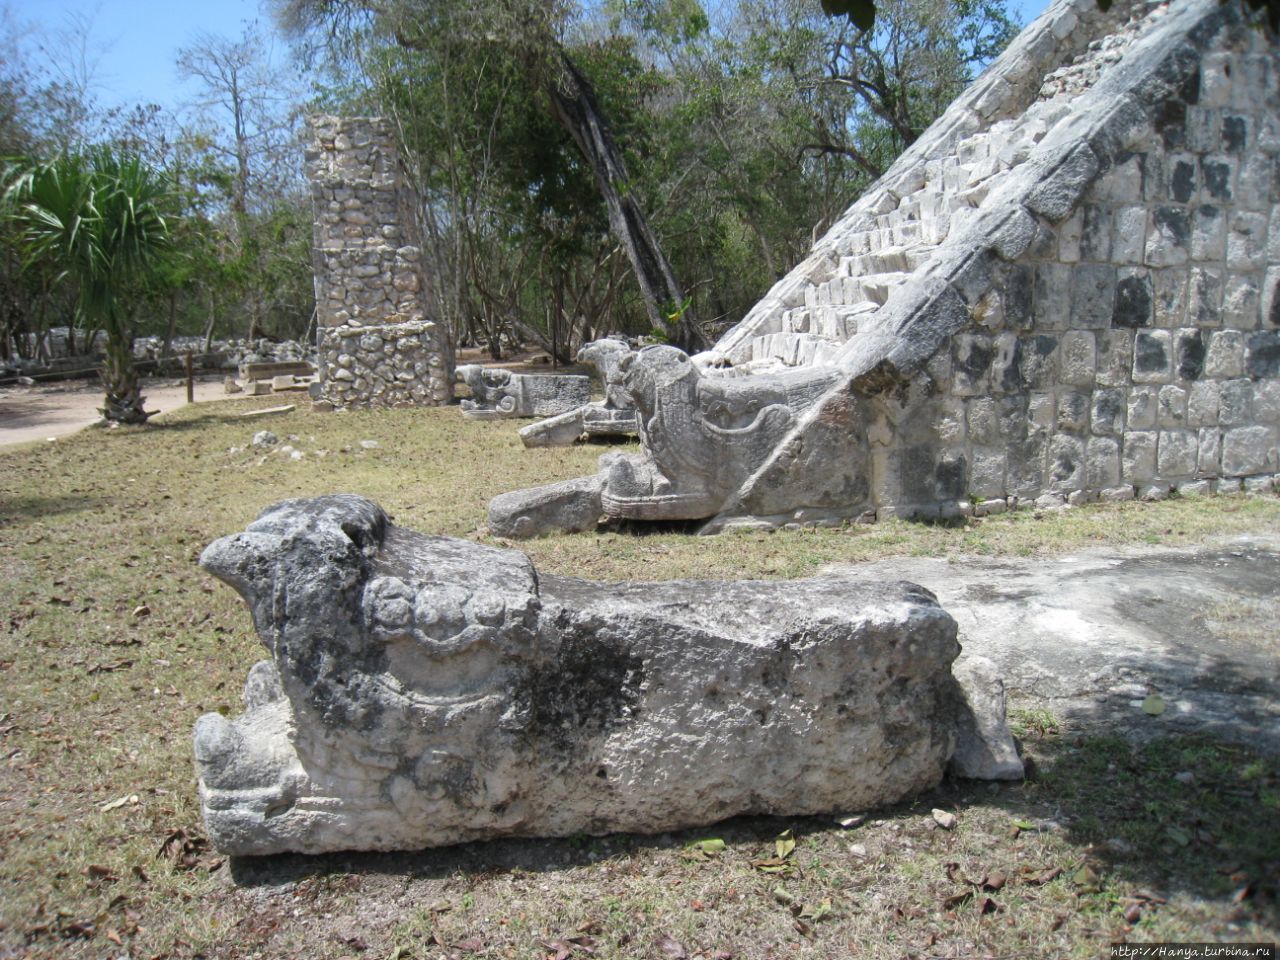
1235	401
1171	406
1069	237
1041	411
1241	302
1073	411
1170	289
1204	296
1102	463
1006	374
1266	402
1249	450
1138	462
1177	454
1052	310
1037	360
1202	403
1115	358
1182	181
1129	232
1143	407
1123	182
1215	79
1066	463
1247	241
971	356
1271	295
1095	233
1217	179
1225	358
1107	415
1132	304
1189	349
1209	451
987	473
1262	355
1077	358
1254	182
1168	237
1152	357
1025	472
1019	294
1208	233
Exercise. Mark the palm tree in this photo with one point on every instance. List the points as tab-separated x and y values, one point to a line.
97	220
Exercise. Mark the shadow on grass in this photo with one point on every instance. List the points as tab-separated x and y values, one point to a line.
28	507
1175	817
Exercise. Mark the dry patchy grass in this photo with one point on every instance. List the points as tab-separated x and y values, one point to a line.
113	642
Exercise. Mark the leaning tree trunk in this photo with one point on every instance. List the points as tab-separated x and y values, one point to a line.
124	399
575	108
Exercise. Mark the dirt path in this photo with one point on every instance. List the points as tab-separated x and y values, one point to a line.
43	412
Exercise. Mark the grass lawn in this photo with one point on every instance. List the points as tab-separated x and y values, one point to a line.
114	642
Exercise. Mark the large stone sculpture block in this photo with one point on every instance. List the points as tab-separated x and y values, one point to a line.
424	690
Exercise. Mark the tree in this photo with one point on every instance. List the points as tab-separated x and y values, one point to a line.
99	221
529	35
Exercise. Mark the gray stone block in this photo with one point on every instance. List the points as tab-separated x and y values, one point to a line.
427	691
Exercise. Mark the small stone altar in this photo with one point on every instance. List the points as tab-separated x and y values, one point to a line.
425	691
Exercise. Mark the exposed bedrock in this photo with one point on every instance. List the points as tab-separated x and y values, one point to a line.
424	691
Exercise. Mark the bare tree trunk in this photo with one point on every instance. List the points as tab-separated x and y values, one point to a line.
575	107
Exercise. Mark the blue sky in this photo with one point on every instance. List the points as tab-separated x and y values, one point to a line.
135	42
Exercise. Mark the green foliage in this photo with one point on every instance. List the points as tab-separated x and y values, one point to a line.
99	222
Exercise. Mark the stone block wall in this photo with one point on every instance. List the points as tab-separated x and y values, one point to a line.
1072	303
1135	349
378	344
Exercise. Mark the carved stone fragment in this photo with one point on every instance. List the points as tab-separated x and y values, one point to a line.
425	691
497	393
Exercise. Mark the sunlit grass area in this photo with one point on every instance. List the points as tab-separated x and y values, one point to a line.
114	642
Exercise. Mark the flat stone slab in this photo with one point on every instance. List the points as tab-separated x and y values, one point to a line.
1090	635
426	691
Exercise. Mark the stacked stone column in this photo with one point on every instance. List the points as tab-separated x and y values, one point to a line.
378	345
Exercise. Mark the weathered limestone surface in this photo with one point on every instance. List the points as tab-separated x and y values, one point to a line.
498	393
612	417
425	691
1068	289
378	344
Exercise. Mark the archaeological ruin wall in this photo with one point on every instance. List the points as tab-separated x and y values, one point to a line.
1066	290
378	343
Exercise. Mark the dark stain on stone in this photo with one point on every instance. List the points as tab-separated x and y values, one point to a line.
1273	315
951	478
975	361
1019	283
1036	364
1262	355
1182	184
1191	352
1133	303
1174	222
1171	121
1235	131
1149	354
590	688
1095	233
1217	179
1108	407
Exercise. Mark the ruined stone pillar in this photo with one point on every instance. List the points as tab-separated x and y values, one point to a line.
378	345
